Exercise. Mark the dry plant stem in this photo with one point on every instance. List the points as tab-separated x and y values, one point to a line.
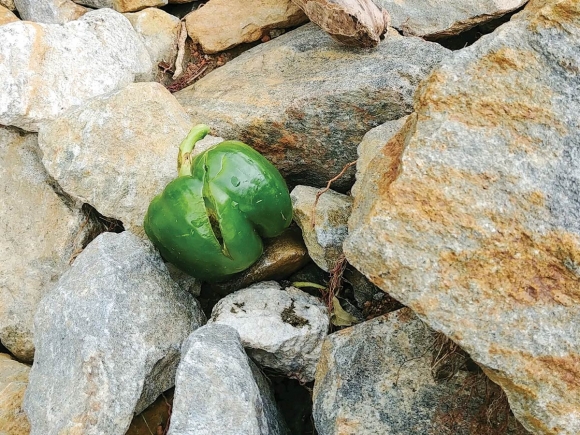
326	189
335	283
180	50
146	424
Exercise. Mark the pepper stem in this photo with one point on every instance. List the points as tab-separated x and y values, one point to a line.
184	159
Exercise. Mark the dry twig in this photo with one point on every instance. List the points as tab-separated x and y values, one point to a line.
326	189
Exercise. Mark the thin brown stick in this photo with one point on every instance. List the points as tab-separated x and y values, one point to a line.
326	189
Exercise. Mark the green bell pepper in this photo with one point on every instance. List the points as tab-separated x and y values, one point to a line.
209	220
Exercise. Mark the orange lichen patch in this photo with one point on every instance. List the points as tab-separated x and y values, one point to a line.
567	369
347	426
519	98
554	15
508	383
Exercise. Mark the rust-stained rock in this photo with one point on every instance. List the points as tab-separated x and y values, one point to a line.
474	220
222	24
283	255
358	23
305	101
13	382
440	18
136	5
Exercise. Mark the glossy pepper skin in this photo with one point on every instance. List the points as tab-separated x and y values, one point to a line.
209	220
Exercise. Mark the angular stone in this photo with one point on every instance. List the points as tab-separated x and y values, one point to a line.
108	339
283	255
441	18
376	378
49	11
8	4
280	329
136	5
324	236
7	16
357	23
222	24
158	31
117	151
98	53
97	4
372	143
305	102
218	390
476	224
42	230
13	382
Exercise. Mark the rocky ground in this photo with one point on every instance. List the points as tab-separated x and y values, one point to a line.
429	281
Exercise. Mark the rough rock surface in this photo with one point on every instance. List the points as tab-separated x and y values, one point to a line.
218	390
440	18
324	239
117	151
280	329
375	378
13	382
136	5
477	226
97	4
7	16
371	144
158	31
44	70
8	4
305	102
222	24
108	339
41	230
49	11
283	255
357	23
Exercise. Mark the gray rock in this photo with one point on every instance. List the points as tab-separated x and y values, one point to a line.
305	101
218	390
440	18
49	11
42	230
375	378
117	151
372	143
97	4
98	53
185	281
323	239
158	31
280	329
108	339
476	225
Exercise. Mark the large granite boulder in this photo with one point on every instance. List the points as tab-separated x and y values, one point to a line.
474	220
108	339
42	230
47	68
305	101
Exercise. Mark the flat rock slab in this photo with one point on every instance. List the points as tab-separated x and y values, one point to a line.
117	151
441	18
281	329
474	222
375	378
108	339
324	228
13	383
305	102
223	24
41	232
219	390
47	68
